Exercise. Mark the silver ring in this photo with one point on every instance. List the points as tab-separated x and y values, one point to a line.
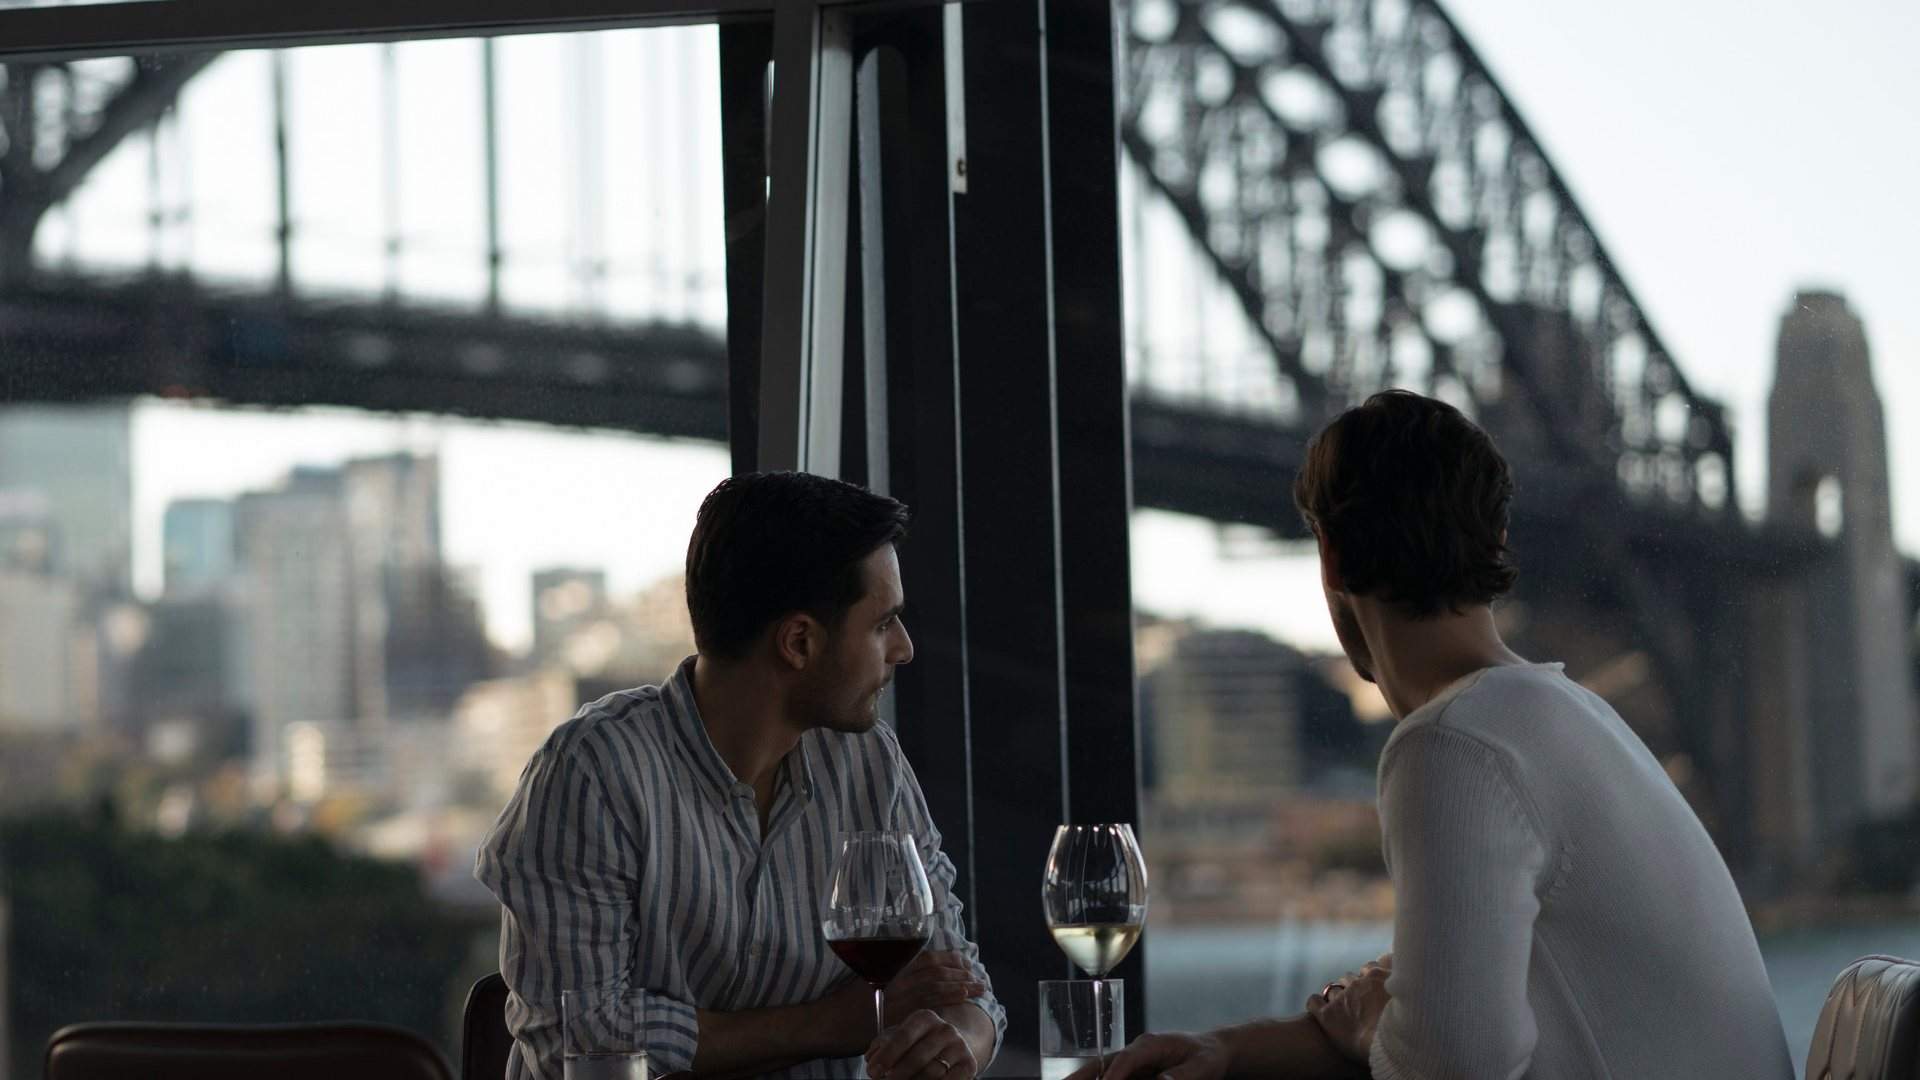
1327	990
945	1067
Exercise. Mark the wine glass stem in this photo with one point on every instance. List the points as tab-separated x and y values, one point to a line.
879	1011
1099	1033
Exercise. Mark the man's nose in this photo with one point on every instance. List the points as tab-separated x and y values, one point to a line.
903	648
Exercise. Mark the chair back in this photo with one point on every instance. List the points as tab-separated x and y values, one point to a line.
484	1039
1870	1026
143	1051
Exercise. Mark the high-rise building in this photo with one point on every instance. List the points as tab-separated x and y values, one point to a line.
640	639
293	546
421	640
436	642
197	545
27	533
189	681
501	722
1225	717
565	599
79	461
1827	473
42	655
357	625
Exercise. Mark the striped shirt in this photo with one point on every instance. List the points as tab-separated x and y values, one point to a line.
630	857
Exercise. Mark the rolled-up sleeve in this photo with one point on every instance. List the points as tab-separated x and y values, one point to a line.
1466	861
950	925
564	870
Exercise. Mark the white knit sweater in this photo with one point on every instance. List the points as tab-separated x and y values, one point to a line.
1562	914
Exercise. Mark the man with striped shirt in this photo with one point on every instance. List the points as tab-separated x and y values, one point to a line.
678	839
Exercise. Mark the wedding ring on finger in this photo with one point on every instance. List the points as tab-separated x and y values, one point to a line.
945	1066
1327	991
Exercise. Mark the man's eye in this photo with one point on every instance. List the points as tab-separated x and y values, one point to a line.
887	623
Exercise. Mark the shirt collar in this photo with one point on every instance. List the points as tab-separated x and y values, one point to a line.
683	715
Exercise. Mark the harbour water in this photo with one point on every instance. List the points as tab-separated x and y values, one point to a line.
1200	977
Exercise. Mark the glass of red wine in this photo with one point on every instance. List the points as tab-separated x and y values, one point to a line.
880	909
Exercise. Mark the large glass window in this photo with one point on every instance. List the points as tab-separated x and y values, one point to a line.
278	629
1323	200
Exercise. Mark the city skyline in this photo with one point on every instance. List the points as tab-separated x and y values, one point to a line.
516	498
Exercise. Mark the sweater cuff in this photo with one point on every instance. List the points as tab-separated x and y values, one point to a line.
1382	1067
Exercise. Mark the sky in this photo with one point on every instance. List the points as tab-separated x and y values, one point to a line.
1728	153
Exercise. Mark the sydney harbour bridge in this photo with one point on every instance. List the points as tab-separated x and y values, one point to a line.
1348	171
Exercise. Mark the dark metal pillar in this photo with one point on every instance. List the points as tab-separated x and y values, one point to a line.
1045	463
992	318
907	337
1093	442
1014	620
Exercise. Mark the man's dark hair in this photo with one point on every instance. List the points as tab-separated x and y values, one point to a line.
1413	498
766	545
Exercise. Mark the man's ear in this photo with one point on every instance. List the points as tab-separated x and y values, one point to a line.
797	640
1329	563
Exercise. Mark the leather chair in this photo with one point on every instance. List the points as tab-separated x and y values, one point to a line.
1870	1026
142	1051
484	1039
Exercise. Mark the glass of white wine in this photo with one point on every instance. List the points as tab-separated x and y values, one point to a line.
1095	897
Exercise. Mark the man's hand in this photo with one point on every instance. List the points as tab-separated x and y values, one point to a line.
1351	1010
1178	1057
932	981
921	1047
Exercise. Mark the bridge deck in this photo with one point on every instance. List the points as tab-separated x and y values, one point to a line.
78	339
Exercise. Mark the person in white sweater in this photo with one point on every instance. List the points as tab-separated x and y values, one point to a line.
1560	912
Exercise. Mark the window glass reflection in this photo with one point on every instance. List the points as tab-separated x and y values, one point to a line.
363	399
1336	200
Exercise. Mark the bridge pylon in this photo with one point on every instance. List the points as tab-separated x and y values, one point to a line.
1837	724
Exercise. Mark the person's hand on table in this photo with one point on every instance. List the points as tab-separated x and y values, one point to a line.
921	1047
1177	1056
932	981
1349	1008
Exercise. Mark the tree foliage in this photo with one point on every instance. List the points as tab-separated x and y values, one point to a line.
110	923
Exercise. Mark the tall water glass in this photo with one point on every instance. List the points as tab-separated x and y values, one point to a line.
1077	1019
603	1034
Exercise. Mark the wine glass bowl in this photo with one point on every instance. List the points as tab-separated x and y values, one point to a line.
1095	894
879	911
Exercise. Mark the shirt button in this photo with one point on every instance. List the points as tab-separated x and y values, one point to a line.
743	791
756	951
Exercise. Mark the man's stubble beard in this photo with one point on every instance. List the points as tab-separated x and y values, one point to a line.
832	711
1346	626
